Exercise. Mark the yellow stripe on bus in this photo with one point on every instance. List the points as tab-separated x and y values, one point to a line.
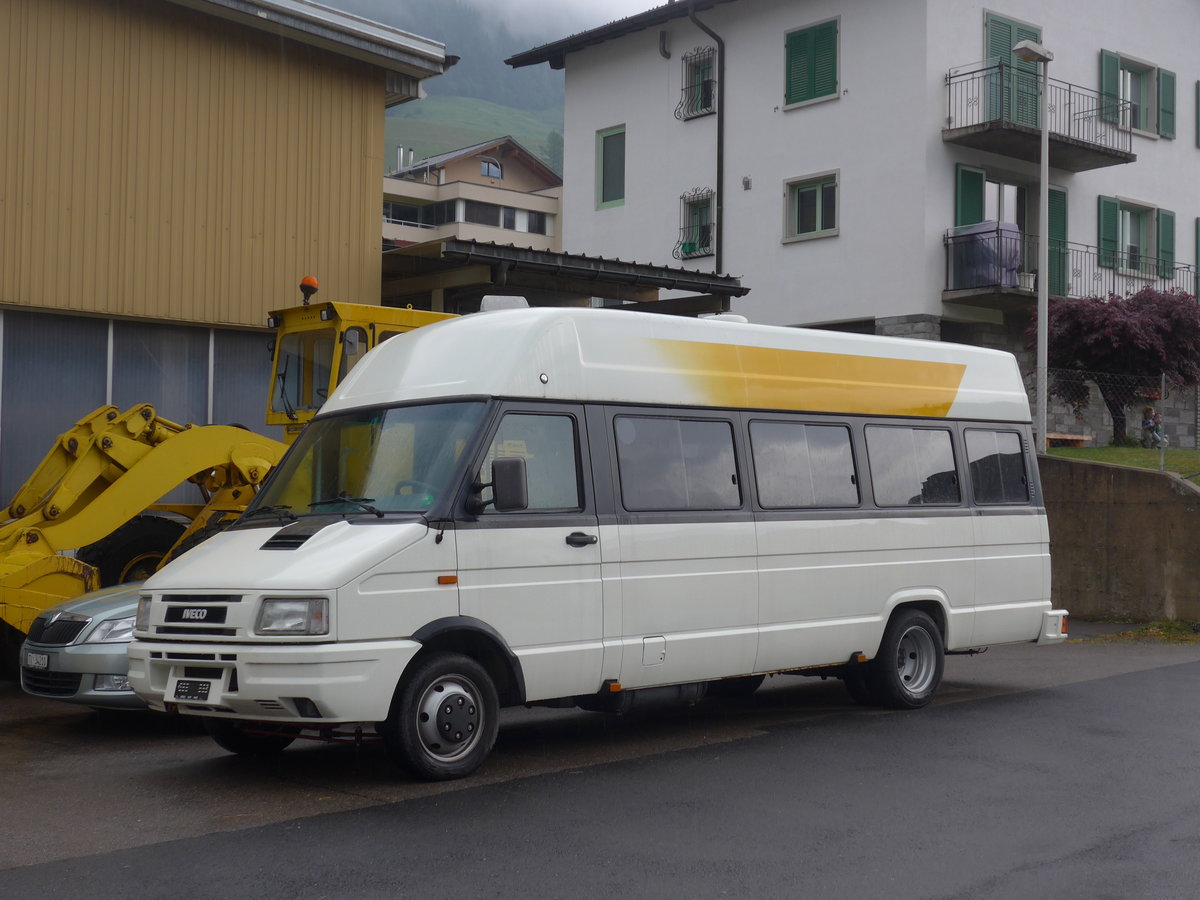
766	378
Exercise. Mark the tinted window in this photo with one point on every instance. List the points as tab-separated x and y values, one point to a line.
676	464
803	465
997	466
911	466
548	446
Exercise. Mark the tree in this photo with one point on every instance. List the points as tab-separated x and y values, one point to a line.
1151	333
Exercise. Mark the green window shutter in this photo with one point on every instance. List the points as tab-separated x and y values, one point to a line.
799	52
1059	258
1165	228
1110	91
825	39
968	195
1012	93
811	63
1166	103
1108	222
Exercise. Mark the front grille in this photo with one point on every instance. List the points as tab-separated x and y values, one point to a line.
57	633
51	684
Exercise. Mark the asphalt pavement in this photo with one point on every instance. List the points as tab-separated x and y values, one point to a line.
1063	771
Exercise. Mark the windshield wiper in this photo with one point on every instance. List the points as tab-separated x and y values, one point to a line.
283	511
363	503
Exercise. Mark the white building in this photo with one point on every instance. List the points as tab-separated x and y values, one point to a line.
833	153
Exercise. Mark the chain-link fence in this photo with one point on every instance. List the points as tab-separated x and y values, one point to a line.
1100	408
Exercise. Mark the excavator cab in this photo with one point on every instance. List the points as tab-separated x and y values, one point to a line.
316	346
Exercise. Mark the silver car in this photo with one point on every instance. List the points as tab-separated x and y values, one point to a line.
76	651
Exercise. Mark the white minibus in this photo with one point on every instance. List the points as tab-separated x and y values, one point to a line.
597	507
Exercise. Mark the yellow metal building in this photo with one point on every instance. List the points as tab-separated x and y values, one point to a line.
168	171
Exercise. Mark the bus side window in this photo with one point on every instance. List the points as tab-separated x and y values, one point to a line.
997	466
674	464
798	465
912	466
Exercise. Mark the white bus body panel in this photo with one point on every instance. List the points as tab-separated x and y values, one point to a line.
653	601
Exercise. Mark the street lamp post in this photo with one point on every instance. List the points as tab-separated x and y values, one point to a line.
1031	51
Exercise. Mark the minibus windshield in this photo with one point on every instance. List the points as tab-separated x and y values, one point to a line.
371	461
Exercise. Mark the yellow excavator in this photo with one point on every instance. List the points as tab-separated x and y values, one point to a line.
97	491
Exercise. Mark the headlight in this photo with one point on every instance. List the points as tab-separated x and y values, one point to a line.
112	683
293	615
113	631
143	613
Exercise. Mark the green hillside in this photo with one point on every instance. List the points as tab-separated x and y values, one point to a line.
439	124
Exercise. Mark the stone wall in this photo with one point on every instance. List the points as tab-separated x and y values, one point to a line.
1124	542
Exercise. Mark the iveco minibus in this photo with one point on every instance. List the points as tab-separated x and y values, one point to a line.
595	507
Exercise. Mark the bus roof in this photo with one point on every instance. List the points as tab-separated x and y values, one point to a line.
625	357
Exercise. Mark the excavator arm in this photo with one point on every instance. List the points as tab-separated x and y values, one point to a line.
102	473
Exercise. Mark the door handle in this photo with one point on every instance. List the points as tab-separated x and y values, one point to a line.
579	539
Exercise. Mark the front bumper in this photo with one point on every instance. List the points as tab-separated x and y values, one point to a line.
310	684
71	673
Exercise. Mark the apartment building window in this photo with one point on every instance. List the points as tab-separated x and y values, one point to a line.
695	224
482	213
811	207
1136	238
536	222
1137	94
699	94
509	217
610	167
489	168
811	63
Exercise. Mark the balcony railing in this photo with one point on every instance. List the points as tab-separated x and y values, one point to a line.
996	258
994	106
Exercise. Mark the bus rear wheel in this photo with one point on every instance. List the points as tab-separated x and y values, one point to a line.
908	670
444	718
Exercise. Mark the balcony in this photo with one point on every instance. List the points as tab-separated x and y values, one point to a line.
993	265
994	107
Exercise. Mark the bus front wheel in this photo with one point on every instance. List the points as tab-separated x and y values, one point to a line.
908	669
444	718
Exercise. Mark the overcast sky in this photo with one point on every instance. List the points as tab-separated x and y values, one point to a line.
543	20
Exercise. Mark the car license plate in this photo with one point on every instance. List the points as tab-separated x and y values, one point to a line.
192	690
37	660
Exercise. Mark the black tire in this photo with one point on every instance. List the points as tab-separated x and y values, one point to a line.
249	738
908	669
735	688
133	551
444	718
10	651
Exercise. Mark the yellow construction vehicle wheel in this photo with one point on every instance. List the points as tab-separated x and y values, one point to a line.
133	551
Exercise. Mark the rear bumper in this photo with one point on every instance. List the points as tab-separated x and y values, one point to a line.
1054	627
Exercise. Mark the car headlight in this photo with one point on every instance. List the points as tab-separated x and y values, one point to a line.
293	615
112	631
143	613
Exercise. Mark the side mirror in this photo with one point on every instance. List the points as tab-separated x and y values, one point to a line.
350	341
510	489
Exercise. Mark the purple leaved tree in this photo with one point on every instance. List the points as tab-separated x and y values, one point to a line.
1150	333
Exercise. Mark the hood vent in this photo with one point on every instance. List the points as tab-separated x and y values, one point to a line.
292	536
